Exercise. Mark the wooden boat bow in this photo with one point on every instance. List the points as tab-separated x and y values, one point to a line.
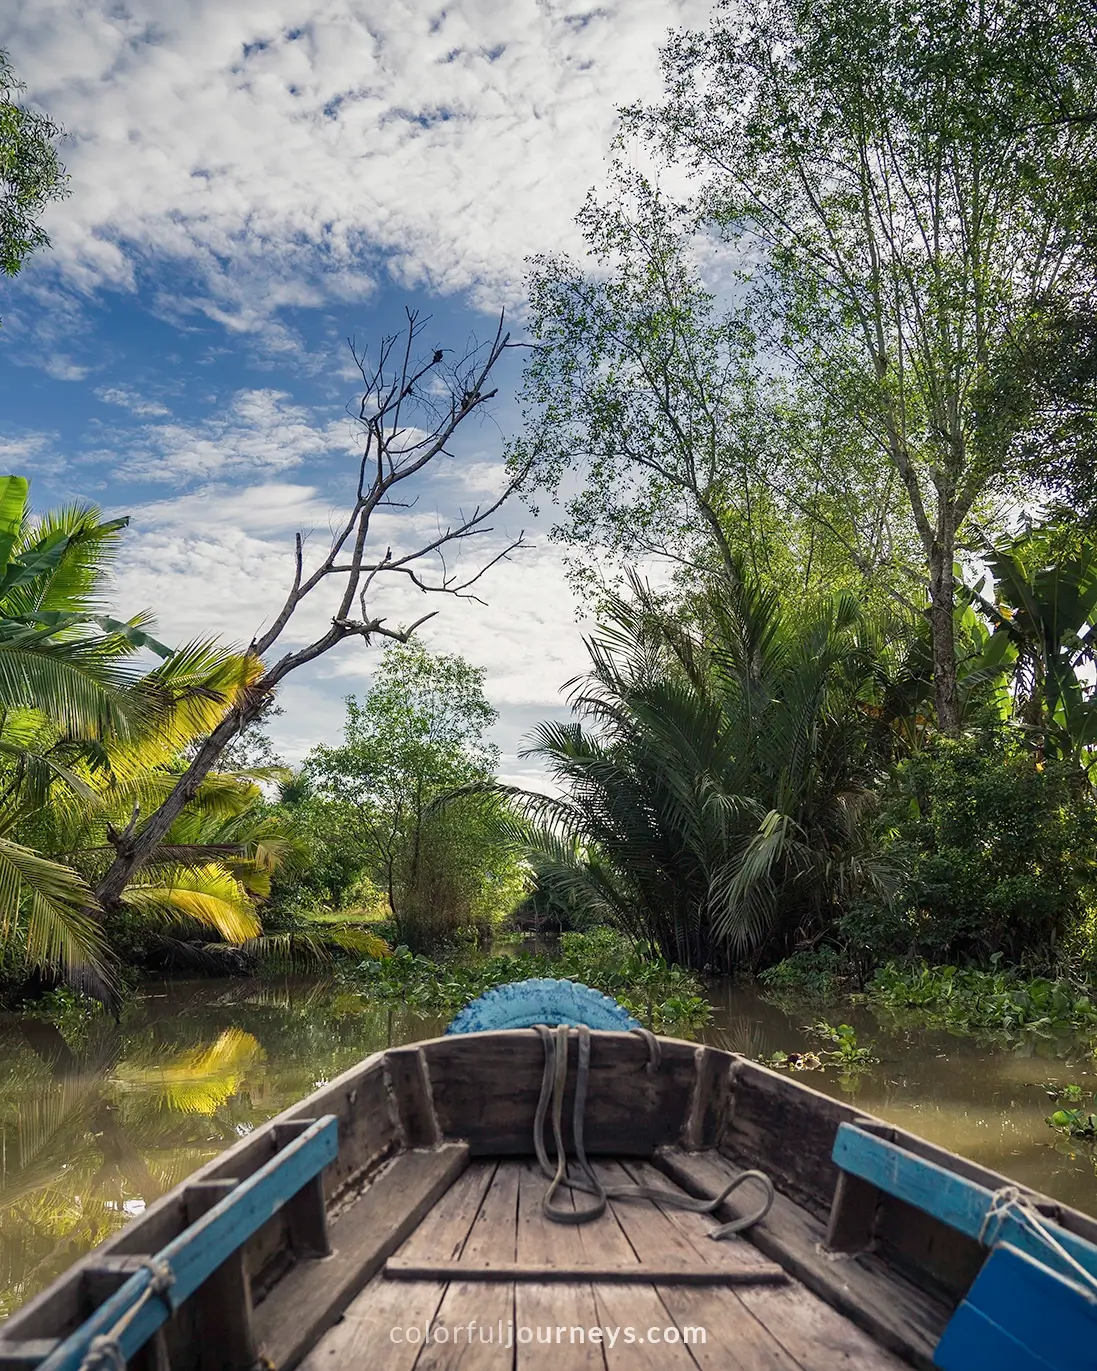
410	1184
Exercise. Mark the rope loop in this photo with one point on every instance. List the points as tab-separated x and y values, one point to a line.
584	1179
105	1350
1011	1202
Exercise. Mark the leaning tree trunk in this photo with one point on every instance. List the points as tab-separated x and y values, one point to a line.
943	628
134	846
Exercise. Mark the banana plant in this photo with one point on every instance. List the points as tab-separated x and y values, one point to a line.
1043	617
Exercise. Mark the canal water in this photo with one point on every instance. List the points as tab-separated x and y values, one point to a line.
97	1122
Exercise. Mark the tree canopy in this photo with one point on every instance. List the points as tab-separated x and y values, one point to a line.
31	174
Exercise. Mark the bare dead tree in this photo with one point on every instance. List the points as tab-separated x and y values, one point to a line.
398	389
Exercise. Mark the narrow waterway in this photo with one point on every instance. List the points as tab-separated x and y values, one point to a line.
97	1122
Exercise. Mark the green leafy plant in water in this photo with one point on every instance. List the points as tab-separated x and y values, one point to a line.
1074	1123
664	997
794	1061
846	1052
808	975
998	1004
1064	1094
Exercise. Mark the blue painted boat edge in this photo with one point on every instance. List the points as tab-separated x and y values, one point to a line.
1021	1313
218	1233
974	1342
953	1199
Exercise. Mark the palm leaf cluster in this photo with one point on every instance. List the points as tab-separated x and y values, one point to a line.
716	782
90	739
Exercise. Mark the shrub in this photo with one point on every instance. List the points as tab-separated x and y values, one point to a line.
1001	856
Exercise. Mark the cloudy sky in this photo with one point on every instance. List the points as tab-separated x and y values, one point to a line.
252	183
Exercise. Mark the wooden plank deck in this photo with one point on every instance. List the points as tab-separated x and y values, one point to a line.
492	1214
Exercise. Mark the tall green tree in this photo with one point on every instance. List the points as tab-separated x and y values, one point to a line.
31	174
419	735
687	446
916	179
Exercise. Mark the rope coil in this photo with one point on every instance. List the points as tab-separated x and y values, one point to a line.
553	1085
105	1351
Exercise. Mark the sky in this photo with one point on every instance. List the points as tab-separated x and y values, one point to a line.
253	183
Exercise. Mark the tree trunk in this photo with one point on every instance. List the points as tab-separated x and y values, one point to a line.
135	848
943	628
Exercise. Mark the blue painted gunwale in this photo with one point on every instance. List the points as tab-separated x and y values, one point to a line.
953	1199
201	1248
1021	1316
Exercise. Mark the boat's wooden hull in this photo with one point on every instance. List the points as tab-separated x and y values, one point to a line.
413	1119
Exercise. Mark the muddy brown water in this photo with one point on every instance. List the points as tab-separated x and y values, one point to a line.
97	1122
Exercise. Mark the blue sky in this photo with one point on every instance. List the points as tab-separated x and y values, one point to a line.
252	183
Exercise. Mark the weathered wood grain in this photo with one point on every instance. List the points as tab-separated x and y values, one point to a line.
469	1312
794	1329
27	1354
637	1308
641	1319
703	1317
787	1129
710	1106
485	1087
852	1223
409	1083
899	1315
733	1340
532	1273
386	1326
957	1203
313	1295
564	1307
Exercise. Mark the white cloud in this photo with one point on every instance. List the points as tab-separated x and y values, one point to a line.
31	453
63	368
278	148
259	431
220	561
132	400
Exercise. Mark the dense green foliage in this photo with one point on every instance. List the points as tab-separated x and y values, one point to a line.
382	810
1001	855
1000	1004
713	801
661	996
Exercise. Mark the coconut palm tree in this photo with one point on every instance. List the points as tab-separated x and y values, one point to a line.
89	739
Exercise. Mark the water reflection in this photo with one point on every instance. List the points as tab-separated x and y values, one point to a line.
95	1125
987	1104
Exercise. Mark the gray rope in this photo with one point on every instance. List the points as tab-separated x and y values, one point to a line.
553	1085
105	1351
1011	1201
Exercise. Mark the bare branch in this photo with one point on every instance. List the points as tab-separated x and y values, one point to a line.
409	412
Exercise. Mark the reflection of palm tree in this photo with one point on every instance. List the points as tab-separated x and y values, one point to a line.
743	1034
91	1132
195	1081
